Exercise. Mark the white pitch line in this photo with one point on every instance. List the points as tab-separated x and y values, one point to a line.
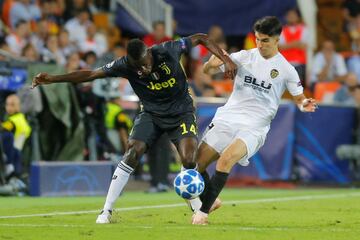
40	225
219	228
250	201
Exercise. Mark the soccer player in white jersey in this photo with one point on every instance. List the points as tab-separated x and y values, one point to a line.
239	128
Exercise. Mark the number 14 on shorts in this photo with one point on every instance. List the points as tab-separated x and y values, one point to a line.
186	129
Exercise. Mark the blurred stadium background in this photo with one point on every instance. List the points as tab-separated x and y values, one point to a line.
72	138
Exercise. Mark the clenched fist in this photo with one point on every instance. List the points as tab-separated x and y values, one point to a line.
41	78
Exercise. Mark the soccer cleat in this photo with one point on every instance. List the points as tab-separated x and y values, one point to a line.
104	217
200	218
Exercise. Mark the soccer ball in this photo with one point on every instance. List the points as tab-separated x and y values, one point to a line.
189	184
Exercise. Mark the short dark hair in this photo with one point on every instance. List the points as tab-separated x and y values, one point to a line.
268	25
20	22
136	49
156	23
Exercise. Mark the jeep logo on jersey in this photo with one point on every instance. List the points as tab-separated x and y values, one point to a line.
255	84
274	73
158	86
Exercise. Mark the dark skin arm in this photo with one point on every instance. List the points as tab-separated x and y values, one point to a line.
74	77
230	66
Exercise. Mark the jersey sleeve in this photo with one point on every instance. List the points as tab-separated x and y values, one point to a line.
293	83
178	47
237	58
115	68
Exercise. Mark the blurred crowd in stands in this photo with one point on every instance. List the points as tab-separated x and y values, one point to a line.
78	34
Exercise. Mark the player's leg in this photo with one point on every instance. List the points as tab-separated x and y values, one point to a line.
120	178
184	136
204	156
230	156
187	148
141	136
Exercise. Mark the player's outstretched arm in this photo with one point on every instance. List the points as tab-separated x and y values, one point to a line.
230	66
74	77
213	63
305	104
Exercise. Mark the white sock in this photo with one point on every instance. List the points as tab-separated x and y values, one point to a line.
118	182
195	204
183	168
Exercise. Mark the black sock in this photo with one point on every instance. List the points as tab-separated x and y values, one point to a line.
207	184
217	183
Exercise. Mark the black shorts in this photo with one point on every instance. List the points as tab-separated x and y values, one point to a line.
148	128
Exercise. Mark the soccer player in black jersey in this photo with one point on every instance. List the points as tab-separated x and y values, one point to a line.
158	79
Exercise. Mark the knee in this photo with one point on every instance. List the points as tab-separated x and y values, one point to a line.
133	154
188	159
225	163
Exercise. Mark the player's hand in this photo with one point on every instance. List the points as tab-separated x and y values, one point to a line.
230	69
41	78
308	105
214	62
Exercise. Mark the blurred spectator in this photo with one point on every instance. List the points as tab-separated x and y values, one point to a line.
353	62
216	33
157	36
29	52
18	38
15	130
294	41
40	35
250	41
77	27
117	51
159	156
118	125
4	47
200	53
354	30
329	66
73	63
346	94
52	11
351	8
66	47
95	41
90	59
201	83
72	7
51	53
24	10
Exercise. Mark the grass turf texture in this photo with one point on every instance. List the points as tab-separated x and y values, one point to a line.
246	214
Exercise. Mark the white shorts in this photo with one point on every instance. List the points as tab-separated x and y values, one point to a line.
221	135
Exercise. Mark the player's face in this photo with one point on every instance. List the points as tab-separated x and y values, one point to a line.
144	65
267	45
11	105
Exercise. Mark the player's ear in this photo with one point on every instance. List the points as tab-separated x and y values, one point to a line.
276	39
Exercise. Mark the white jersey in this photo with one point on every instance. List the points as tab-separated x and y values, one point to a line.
258	87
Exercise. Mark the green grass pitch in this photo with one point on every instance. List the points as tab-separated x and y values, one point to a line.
246	214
